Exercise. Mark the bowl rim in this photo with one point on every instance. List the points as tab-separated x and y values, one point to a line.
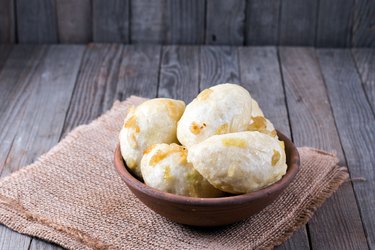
293	168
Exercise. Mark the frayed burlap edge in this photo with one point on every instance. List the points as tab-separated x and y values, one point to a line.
16	217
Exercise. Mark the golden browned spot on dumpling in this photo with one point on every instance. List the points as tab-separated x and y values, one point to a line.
132	123
134	144
195	128
259	123
167	173
131	163
222	129
282	145
235	142
173	109
275	157
149	149
273	133
160	155
204	94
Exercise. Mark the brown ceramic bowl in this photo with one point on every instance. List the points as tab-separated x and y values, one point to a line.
209	211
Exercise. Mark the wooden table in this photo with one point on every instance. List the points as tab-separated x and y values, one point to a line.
323	98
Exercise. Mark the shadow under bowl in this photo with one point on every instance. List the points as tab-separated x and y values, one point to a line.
209	211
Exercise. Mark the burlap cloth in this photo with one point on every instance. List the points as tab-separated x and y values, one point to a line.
72	196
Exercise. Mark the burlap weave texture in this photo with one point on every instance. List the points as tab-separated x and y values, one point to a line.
72	196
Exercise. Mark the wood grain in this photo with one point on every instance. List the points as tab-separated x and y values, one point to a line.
179	73
36	21
37	244
225	22
365	62
260	74
355	122
298	22
96	85
218	64
363	27
111	21
139	71
13	240
7	21
262	25
147	21
337	224
334	23
74	21
37	126
5	50
185	21
14	89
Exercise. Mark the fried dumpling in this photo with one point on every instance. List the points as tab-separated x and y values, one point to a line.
154	121
164	167
224	108
239	162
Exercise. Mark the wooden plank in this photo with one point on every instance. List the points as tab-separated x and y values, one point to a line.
185	21
11	240
46	79
225	22
218	64
262	26
298	22
5	50
14	80
355	122
167	21
111	21
179	73
337	224
334	23
7	21
36	21
260	74
110	72
365	62
363	24
37	244
74	21
147	21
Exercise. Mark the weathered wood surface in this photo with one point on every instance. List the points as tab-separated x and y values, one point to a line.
331	23
74	21
179	72
111	21
363	27
298	22
37	21
365	62
7	21
225	22
36	109
313	125
334	23
355	122
98	74
263	21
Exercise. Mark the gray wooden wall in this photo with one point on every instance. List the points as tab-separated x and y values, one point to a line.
320	23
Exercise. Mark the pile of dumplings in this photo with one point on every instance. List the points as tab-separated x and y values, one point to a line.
219	143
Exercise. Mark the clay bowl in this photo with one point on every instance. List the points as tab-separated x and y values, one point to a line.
209	211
